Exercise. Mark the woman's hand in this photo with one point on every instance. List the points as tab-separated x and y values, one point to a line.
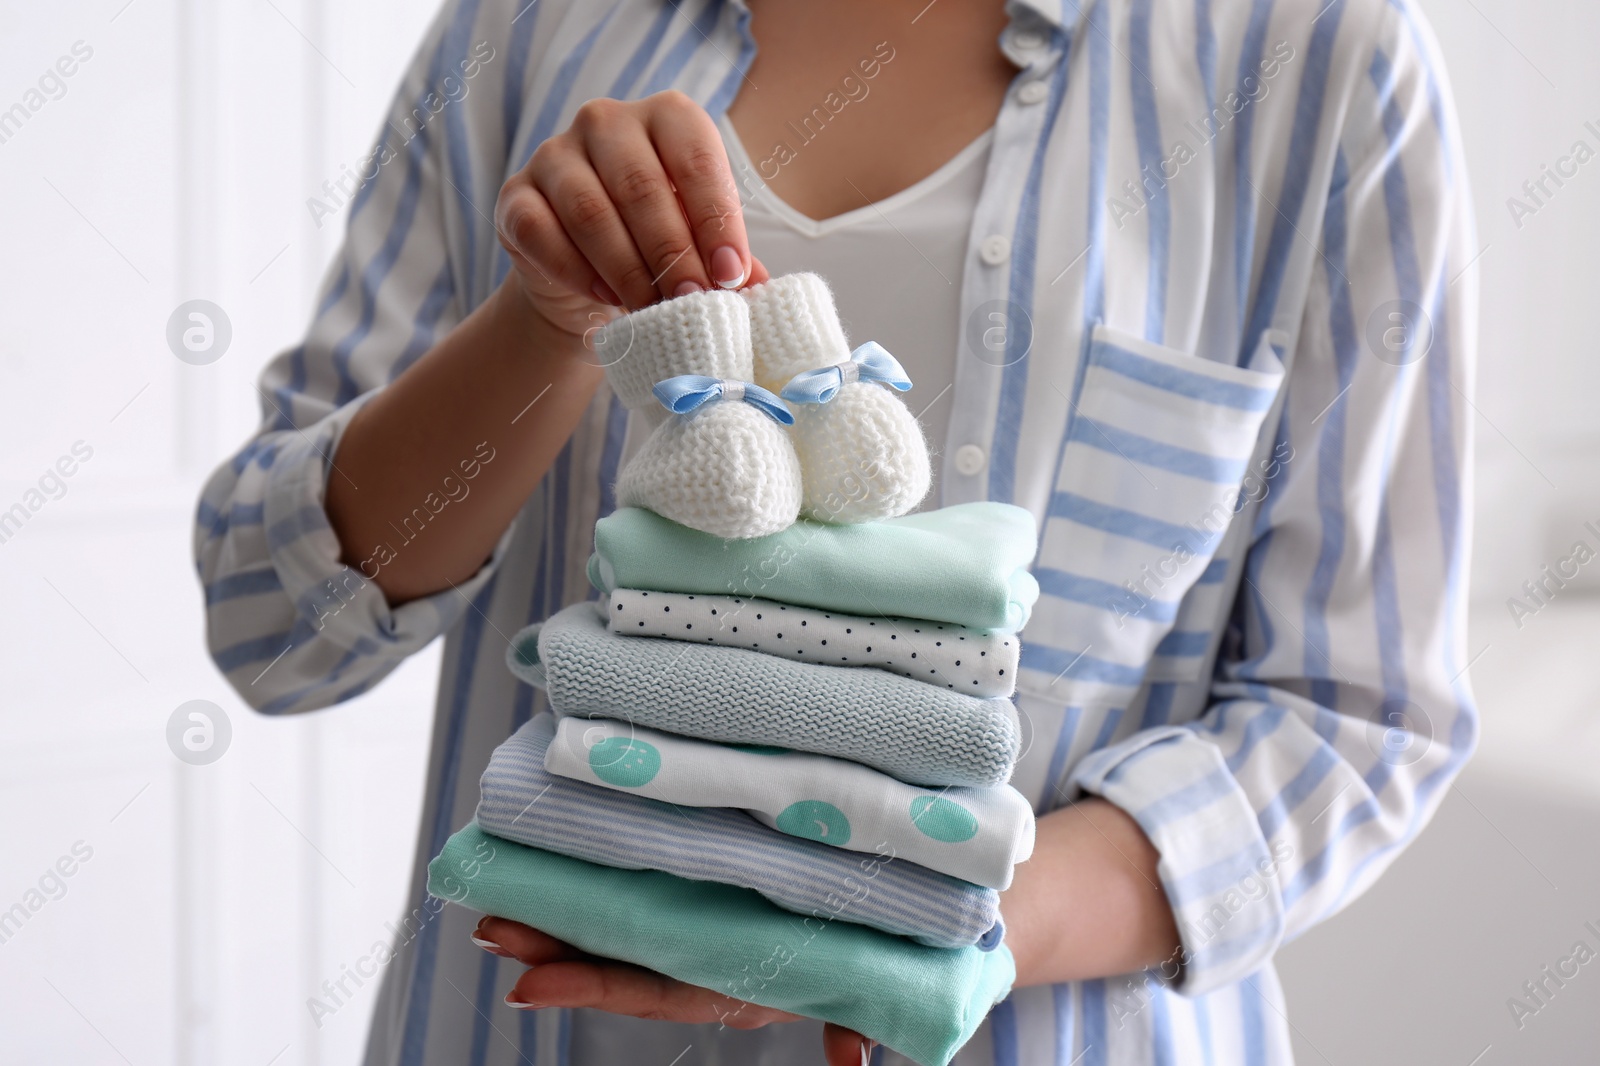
634	202
635	199
562	976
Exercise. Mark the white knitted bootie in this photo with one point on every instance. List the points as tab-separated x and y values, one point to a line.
722	461
862	454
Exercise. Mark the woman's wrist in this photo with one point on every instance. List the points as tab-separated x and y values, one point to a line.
555	339
1089	903
505	381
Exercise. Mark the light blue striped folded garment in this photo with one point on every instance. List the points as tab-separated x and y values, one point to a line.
523	802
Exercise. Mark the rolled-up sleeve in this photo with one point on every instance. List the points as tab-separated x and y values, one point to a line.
291	625
1340	712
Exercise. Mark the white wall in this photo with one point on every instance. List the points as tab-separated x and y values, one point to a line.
217	898
176	166
1526	83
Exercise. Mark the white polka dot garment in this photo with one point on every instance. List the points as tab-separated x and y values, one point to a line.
973	661
975	834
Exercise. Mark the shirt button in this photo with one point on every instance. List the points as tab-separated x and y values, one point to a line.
996	249
970	459
1028	40
1033	92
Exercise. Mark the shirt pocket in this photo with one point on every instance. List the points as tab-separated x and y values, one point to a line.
1153	470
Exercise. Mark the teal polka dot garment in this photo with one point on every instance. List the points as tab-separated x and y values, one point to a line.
625	762
975	834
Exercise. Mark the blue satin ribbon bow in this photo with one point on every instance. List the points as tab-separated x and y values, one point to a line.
687	392
870	362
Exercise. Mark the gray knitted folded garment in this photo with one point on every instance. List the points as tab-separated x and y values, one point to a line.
913	731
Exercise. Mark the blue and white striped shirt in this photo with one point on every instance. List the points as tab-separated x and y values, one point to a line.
1228	245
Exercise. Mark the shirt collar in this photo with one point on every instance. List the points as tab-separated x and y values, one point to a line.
1057	14
1047	10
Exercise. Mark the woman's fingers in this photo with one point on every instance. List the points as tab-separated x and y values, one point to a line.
561	975
845	1047
533	237
523	942
633	174
632	990
592	223
691	151
634	202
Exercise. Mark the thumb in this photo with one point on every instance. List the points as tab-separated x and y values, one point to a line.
758	272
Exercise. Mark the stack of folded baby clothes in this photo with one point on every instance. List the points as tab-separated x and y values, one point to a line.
790	698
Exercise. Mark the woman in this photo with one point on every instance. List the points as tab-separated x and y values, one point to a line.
1242	686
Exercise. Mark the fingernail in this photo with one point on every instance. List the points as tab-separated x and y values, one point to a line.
491	947
866	1054
605	294
727	269
513	1001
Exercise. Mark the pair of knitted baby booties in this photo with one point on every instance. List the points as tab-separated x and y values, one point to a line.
727	455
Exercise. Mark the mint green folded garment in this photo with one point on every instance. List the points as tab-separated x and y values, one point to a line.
966	564
922	1002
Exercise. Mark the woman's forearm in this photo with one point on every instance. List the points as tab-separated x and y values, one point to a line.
504	384
1089	903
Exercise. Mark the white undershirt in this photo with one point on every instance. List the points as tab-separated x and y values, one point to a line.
894	266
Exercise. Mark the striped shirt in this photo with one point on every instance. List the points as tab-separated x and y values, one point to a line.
1218	338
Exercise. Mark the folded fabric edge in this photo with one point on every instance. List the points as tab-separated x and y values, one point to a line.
598	571
1024	595
522	656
